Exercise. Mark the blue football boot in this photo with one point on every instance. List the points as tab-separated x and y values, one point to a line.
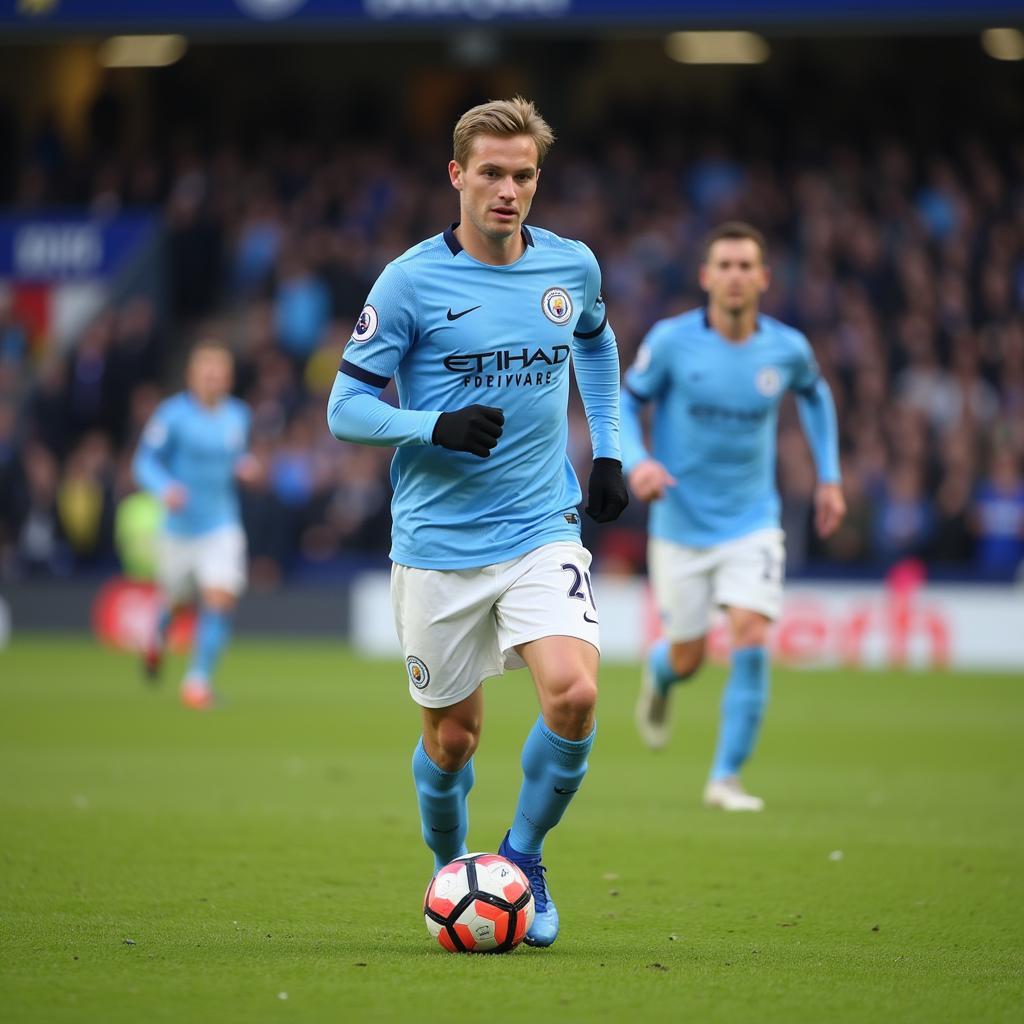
544	929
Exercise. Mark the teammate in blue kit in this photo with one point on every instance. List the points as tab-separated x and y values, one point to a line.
191	455
479	326
715	378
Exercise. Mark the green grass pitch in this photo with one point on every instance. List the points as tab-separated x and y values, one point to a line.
263	862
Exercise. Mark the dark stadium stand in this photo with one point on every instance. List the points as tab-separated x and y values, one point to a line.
899	253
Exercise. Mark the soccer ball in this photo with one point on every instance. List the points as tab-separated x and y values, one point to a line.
480	903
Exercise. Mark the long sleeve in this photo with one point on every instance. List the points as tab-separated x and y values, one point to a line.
596	364
148	466
645	381
595	358
633	448
356	413
818	418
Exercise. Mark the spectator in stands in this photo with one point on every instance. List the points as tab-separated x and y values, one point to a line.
904	519
40	545
302	309
999	514
88	381
84	498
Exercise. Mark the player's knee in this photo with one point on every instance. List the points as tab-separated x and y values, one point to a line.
454	744
750	631
572	709
687	657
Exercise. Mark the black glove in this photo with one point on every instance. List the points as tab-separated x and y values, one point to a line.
475	429
607	497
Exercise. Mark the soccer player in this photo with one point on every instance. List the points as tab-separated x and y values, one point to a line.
715	378
191	455
479	326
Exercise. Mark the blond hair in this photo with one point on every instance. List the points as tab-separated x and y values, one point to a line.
503	118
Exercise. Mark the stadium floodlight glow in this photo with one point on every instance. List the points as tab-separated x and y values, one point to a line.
142	51
717	47
1003	43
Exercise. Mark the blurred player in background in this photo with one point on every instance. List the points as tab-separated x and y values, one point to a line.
715	377
192	455
477	326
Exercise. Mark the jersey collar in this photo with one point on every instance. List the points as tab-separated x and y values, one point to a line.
456	247
707	323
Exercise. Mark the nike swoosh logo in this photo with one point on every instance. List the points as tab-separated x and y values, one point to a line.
587	618
564	792
444	831
455	316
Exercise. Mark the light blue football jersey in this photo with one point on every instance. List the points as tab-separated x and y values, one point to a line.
189	444
715	416
455	332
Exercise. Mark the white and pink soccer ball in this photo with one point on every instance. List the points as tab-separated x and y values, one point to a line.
480	903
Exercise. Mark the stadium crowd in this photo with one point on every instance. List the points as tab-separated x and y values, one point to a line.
904	266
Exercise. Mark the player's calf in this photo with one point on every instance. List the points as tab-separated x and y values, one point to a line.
442	798
153	652
553	771
451	734
665	665
152	662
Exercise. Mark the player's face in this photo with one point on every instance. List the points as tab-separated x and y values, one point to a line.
497	184
209	375
734	274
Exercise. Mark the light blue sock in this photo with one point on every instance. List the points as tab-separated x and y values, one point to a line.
743	703
553	769
212	632
660	662
443	810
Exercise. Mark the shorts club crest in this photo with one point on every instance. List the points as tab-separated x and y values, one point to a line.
419	674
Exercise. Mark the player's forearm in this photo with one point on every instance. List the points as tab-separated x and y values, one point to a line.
597	374
356	413
632	431
818	418
150	474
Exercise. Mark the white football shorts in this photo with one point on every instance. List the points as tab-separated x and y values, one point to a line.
689	583
457	627
210	561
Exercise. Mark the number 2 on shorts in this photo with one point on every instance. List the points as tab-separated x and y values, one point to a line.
580	580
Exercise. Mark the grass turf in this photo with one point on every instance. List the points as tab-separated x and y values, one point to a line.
263	862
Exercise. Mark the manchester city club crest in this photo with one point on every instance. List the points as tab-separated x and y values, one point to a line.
768	381
366	325
557	306
419	674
